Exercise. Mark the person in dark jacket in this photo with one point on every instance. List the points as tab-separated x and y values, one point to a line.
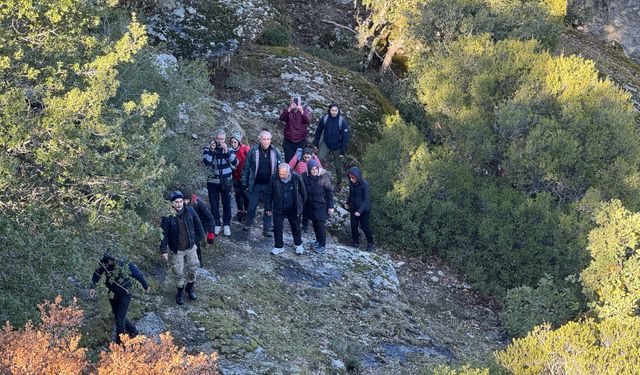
242	199
334	132
285	199
222	162
359	206
180	234
205	216
118	274
261	164
296	129
319	205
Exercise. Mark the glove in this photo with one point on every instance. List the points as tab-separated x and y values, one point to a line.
210	237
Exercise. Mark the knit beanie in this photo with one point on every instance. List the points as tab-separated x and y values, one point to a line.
175	195
237	136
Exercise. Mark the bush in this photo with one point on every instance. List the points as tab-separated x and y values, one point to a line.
276	34
51	347
526	307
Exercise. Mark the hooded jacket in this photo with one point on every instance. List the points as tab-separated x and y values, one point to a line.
319	195
241	154
296	128
300	166
359	199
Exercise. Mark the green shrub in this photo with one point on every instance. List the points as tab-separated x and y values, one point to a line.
526	307
276	34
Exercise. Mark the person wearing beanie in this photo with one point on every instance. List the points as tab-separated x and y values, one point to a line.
334	132
296	120
118	274
221	162
180	234
242	199
319	206
205	216
359	206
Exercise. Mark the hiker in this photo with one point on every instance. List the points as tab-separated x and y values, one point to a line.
334	131
222	161
261	163
299	165
296	128
180	234
242	199
319	205
118	274
359	206
285	199
298	162
205	216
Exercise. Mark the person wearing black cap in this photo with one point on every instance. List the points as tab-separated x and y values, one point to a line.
118	280
180	234
205	216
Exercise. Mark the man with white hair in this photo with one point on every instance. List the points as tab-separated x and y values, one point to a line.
261	163
285	198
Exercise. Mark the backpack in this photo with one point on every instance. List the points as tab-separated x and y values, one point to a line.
340	121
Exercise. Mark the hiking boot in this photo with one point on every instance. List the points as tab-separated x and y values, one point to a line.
245	228
315	244
217	230
191	292
277	250
305	228
227	230
320	249
240	217
267	233
299	249
370	246
180	296
355	245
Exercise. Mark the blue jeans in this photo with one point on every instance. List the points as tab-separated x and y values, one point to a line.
258	191
216	192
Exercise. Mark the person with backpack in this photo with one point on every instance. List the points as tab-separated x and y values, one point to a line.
180	234
298	162
319	206
218	157
242	199
332	138
359	206
205	216
296	129
118	274
285	198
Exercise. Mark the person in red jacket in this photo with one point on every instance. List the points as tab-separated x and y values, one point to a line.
296	129
242	200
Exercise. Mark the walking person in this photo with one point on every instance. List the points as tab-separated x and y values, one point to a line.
332	138
118	274
205	216
180	234
221	162
296	129
285	199
242	199
319	206
298	162
359	206
261	163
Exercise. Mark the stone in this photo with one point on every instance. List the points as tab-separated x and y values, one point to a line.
151	325
164	63
338	365
434	279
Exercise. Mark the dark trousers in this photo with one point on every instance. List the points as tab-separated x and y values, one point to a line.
363	222
294	222
120	306
291	147
258	191
242	199
320	229
217	193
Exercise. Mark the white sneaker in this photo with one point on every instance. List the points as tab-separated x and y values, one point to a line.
277	250
227	230
216	230
299	249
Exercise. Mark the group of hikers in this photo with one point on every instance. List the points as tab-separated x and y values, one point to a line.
297	188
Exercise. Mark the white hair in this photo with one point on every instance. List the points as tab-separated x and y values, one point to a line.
264	133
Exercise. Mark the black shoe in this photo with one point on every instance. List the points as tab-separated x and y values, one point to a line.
305	229
245	228
355	244
267	233
240	217
191	292
180	296
370	246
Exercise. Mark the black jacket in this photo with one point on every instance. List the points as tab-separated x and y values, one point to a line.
169	225
319	195
359	199
273	202
118	277
205	216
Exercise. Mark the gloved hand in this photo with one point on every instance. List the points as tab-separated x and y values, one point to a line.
210	237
